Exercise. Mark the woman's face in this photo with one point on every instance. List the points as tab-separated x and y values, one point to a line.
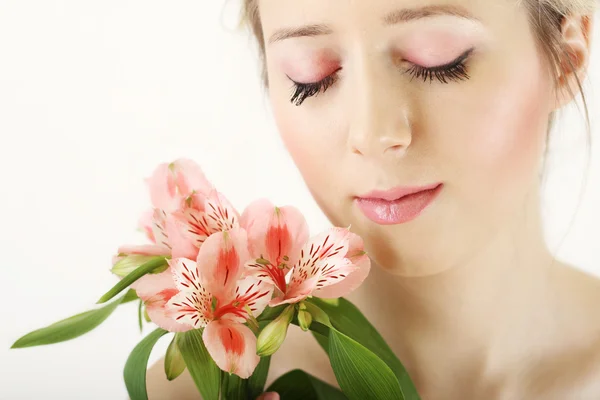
381	95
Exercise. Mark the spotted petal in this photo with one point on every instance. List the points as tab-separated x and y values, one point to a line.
232	346
185	274
220	214
193	225
159	228
254	294
264	270
322	263
156	307
182	245
193	308
156	290
360	260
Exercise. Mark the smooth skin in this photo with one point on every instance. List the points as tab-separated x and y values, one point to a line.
467	295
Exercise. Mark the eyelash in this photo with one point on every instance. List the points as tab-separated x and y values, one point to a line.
454	71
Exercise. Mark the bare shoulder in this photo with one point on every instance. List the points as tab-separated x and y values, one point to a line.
574	372
299	351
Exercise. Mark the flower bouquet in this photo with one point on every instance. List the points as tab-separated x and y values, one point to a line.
227	286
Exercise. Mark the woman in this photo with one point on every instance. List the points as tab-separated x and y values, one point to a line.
423	124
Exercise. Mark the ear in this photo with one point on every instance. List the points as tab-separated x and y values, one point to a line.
576	33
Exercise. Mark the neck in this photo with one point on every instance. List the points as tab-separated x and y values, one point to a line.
483	315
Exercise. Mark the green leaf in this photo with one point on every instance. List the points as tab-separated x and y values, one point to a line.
233	387
201	366
174	363
150	266
256	382
322	341
359	372
69	328
348	319
137	364
298	385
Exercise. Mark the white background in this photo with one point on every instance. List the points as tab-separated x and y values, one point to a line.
93	95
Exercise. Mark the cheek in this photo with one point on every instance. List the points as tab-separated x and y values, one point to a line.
315	142
306	141
506	135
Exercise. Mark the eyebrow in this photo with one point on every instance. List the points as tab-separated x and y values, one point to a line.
393	18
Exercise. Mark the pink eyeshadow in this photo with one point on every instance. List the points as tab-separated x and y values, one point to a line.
310	67
434	48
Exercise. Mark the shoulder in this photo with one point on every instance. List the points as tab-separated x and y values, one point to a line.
574	376
573	372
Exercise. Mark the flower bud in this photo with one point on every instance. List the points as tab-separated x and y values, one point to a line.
273	335
304	319
127	264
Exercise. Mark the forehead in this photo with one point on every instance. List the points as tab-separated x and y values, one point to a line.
342	15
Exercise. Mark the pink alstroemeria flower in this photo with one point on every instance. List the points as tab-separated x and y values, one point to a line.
197	210
179	235
214	296
329	265
172	183
275	237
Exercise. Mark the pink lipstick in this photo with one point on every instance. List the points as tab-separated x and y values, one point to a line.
398	205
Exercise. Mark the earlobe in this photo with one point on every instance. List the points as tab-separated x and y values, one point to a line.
576	41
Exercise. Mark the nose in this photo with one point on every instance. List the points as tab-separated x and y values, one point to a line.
379	125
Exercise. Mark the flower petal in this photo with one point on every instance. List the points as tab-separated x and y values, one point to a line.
181	244
171	183
156	306
266	272
193	308
159	228
220	214
274	232
162	188
185	274
189	177
232	346
254	293
360	260
221	259
145	249
192	225
321	263
151	284
155	290
145	224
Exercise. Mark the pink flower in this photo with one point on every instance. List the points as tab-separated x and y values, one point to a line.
275	237
214	296
331	264
187	210
200	217
171	184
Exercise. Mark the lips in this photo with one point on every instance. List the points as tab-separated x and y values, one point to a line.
398	205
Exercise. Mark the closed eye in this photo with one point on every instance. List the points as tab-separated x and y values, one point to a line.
450	72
